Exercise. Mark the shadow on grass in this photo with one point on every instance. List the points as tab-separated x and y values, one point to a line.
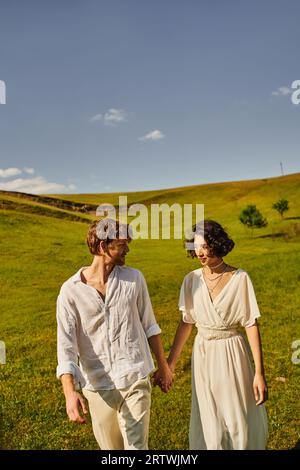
292	218
296	446
272	235
1	425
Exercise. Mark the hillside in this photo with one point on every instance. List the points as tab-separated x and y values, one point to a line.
197	193
43	244
22	202
223	201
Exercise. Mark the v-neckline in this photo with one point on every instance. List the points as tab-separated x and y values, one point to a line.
109	279
221	291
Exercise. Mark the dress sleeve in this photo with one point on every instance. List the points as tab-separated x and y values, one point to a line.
249	304
185	303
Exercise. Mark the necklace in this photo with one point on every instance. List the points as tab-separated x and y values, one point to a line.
211	289
216	266
216	277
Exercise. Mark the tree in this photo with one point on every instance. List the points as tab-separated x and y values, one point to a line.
252	218
281	206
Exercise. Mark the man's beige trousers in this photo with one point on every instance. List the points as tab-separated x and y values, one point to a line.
120	418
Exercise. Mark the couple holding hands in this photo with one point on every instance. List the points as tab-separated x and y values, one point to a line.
107	330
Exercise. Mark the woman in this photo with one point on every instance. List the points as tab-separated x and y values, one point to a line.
227	398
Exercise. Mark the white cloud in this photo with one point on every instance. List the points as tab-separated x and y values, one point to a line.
30	171
112	116
154	135
37	185
282	91
8	172
97	117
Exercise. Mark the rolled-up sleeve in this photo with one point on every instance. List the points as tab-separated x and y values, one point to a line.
145	309
67	348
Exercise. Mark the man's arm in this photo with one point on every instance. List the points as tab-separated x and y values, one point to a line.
67	370
182	335
74	400
163	375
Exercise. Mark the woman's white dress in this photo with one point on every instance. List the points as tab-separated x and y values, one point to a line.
224	414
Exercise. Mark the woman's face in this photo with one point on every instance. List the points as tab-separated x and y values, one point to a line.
203	252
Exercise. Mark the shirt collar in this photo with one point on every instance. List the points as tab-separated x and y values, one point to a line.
77	277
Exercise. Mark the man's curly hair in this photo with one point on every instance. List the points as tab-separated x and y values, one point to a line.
216	238
106	230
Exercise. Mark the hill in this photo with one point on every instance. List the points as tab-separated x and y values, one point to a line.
42	244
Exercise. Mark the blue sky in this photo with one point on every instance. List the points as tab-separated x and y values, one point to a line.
125	95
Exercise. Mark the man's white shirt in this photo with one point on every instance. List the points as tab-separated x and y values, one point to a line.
104	344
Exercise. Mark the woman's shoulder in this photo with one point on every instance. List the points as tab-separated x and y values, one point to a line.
241	274
192	274
195	273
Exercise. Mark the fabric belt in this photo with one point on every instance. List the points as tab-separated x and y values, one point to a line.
209	334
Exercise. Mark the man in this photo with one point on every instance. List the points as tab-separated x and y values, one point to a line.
105	326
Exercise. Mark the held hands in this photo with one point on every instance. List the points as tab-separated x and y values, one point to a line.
164	377
260	389
74	405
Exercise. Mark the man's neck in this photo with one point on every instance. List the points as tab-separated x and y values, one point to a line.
99	271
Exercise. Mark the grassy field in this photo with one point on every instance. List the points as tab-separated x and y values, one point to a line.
42	246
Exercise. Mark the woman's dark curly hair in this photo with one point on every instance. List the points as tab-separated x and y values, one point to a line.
216	238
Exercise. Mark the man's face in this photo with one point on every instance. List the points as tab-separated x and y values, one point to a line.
117	251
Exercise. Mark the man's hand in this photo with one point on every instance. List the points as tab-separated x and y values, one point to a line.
74	405
155	378
164	377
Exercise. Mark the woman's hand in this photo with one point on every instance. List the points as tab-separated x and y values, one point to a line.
260	389
164	377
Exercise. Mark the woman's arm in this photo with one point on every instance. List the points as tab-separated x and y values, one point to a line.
182	335
259	383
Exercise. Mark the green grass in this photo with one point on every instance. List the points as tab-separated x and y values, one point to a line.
40	250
